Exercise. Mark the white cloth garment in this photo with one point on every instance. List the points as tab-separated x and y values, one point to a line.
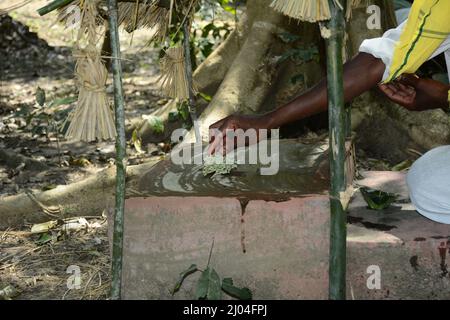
429	177
383	48
429	184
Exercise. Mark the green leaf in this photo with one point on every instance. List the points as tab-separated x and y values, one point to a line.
136	141
183	275
205	97
155	123
183	111
228	6
173	116
44	238
40	96
208	286
62	101
376	199
235	292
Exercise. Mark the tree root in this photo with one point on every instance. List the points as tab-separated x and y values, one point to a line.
90	196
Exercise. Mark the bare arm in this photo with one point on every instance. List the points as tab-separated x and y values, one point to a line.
360	74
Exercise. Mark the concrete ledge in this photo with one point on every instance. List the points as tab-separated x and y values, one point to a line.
409	250
269	247
279	248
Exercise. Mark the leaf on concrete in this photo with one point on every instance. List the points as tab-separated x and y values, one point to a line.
235	292
209	286
376	199
183	275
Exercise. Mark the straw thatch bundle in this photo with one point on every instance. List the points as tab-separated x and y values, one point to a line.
131	16
134	16
92	118
174	81
310	10
173	78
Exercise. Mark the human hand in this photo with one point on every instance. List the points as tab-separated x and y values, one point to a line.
416	94
224	133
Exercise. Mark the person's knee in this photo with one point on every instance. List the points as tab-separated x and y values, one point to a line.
428	181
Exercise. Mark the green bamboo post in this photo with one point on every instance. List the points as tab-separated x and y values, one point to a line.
348	120
116	267
337	131
188	68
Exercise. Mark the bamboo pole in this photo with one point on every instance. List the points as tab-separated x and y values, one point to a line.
188	67
337	131
53	6
120	153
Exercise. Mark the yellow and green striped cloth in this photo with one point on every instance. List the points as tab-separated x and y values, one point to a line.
427	27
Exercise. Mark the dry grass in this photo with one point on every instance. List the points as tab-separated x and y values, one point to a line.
39	271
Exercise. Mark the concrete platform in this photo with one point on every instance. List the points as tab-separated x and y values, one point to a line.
409	250
276	243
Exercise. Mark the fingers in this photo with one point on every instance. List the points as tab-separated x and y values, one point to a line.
218	134
399	93
214	130
393	89
388	89
215	140
409	79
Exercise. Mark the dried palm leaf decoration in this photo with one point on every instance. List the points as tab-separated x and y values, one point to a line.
147	14
310	10
132	16
92	119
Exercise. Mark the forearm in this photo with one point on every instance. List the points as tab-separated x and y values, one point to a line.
360	74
